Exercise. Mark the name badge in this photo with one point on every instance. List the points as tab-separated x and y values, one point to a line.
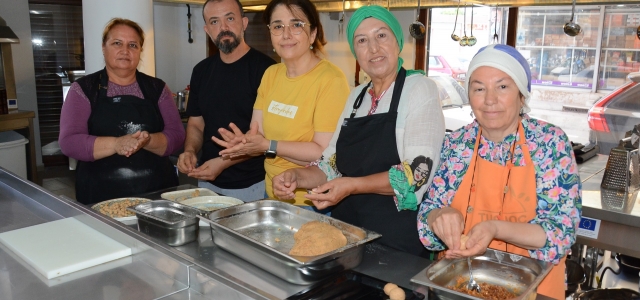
281	109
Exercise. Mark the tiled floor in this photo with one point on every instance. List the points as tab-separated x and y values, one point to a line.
59	180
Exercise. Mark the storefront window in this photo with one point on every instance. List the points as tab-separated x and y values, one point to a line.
620	53
555	58
446	56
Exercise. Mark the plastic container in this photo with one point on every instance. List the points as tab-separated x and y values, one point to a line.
12	153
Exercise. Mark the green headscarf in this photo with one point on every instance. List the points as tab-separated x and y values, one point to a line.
382	14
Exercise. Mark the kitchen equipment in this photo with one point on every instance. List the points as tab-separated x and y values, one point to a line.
575	276
607	294
519	274
454	36
341	21
211	203
472	284
61	247
173	223
614	200
351	285
571	28
464	41
417	29
115	208
261	232
182	195
629	265
495	28
472	39
622	173
181	101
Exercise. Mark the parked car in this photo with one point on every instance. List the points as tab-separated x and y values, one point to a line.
615	114
455	103
451	67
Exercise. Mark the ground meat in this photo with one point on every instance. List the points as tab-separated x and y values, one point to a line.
316	238
118	209
487	291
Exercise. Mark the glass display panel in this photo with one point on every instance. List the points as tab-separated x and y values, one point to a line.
620	54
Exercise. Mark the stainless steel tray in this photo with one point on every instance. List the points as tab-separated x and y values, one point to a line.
261	232
173	223
518	274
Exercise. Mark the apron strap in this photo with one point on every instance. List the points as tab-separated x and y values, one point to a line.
395	98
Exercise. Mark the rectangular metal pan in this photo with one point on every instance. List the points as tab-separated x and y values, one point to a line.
519	274
173	223
261	232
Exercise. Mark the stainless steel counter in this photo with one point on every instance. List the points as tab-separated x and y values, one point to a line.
198	270
618	214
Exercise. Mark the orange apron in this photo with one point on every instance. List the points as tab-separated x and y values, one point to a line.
480	198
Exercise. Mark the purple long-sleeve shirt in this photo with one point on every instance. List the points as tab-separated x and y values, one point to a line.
74	138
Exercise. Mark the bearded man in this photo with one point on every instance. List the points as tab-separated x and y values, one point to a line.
223	90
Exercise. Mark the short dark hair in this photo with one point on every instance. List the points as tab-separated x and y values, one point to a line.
126	22
207	2
309	10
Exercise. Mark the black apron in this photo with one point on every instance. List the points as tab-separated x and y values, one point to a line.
366	146
119	176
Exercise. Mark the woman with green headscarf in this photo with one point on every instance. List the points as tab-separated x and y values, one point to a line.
379	162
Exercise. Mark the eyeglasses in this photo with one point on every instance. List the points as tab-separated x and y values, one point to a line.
295	28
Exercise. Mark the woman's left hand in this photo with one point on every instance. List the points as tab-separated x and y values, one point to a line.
252	144
480	236
331	193
231	138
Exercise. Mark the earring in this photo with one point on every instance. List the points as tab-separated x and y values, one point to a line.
274	49
472	115
311	47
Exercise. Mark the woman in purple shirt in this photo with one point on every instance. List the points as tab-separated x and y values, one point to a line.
120	124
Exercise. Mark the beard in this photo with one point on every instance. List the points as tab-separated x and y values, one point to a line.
227	46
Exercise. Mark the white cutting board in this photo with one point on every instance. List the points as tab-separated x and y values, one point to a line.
61	247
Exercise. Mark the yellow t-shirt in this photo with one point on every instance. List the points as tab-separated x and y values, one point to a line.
293	109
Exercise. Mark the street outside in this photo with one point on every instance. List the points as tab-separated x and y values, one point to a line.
574	124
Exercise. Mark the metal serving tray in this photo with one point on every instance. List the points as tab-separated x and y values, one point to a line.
519	274
173	223
261	232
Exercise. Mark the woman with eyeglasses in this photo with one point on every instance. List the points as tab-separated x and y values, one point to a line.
299	100
378	164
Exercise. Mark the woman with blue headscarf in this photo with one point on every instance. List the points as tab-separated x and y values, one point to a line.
506	181
388	139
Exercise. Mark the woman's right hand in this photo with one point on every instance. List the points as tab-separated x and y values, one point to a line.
285	184
448	224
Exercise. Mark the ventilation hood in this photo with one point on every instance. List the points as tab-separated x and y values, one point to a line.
6	34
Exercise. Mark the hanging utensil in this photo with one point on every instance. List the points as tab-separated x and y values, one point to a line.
190	40
417	29
495	28
454	36
464	41
341	21
571	28
472	39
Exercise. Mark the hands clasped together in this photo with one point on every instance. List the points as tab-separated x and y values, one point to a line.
129	144
448	225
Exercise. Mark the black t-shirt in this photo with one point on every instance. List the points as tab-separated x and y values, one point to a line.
223	93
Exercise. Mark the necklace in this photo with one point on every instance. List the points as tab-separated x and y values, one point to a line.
509	166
